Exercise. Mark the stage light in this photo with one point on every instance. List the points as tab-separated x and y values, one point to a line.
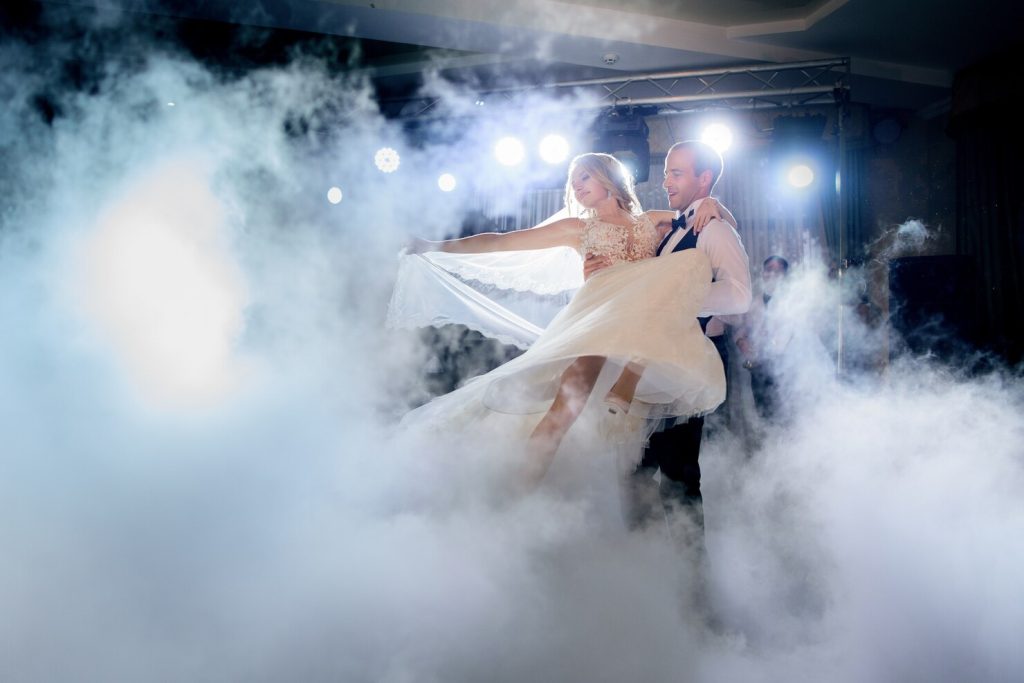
718	136
799	149
446	181
509	151
622	132
334	195
800	176
554	149
387	160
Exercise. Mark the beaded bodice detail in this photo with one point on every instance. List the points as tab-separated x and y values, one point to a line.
633	242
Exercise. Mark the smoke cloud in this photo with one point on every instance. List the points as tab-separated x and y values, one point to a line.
202	478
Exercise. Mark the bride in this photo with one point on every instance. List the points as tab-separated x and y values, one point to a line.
634	322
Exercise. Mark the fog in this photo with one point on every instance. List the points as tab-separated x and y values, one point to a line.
202	478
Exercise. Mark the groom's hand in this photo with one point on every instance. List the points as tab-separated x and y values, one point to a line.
593	263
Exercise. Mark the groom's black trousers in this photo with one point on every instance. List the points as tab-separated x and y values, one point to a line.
676	452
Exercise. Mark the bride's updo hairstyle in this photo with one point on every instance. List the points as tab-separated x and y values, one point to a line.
611	174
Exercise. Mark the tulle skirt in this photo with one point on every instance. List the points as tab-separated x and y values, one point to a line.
644	312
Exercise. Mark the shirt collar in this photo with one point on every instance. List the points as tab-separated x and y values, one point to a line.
691	209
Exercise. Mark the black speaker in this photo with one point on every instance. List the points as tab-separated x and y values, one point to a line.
932	305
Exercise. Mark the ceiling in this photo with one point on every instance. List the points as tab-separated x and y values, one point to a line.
904	53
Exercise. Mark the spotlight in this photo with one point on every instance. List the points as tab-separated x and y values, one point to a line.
334	195
387	160
554	149
800	176
509	151
799	148
718	136
446	181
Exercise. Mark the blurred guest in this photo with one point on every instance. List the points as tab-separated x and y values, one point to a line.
760	342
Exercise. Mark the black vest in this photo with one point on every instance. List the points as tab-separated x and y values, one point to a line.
689	241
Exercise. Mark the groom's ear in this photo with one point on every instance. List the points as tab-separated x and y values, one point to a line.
705	180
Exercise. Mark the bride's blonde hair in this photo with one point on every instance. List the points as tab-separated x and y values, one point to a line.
611	174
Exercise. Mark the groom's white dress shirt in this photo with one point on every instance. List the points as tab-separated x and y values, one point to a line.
730	292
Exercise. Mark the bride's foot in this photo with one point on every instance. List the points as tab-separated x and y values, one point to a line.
616	404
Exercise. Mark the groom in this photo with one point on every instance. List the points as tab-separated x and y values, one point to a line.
691	170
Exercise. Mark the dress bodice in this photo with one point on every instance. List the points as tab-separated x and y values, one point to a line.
633	242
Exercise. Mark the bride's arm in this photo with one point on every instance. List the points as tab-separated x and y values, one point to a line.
562	233
662	221
710	209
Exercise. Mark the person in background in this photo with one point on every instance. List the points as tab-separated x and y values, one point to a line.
759	343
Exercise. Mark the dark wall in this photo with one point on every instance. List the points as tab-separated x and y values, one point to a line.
912	177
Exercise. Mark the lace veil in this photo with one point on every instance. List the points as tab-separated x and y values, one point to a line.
510	296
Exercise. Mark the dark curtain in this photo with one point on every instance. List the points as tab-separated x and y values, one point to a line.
853	187
852	181
986	124
829	200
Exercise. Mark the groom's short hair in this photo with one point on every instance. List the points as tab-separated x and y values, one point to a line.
705	158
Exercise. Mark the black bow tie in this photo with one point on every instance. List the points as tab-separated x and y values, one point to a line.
681	221
677	224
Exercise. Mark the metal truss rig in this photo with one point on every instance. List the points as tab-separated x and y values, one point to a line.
756	86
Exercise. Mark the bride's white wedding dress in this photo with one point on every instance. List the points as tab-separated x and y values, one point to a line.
641	309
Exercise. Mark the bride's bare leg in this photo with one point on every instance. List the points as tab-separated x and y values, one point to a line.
622	393
573	391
